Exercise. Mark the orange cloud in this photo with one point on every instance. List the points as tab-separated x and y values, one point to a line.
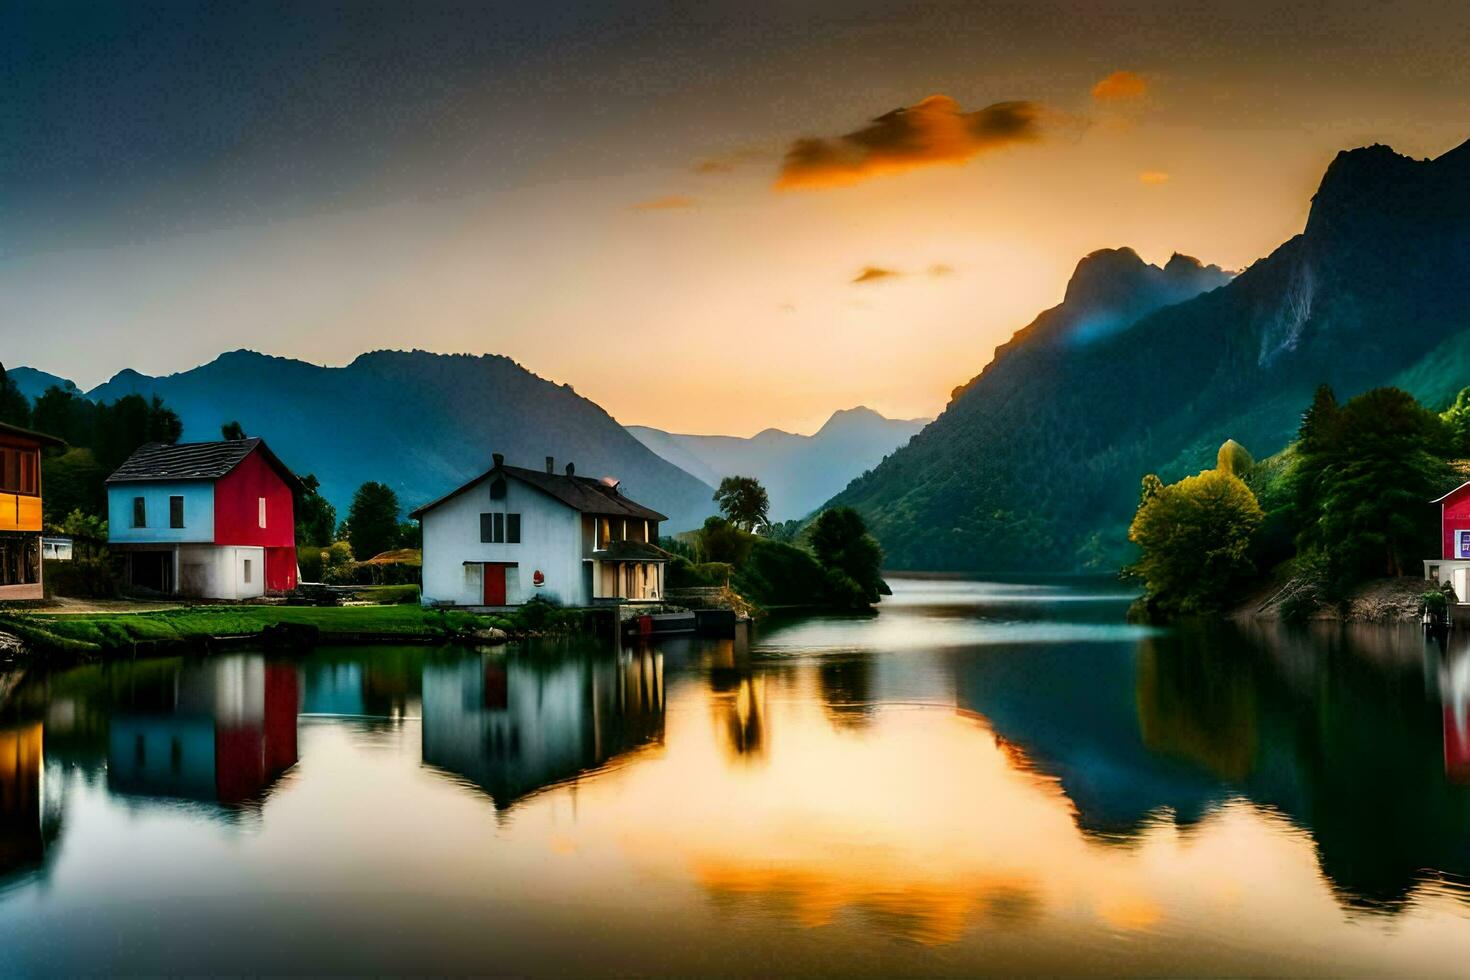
669	203
933	132
1121	86
873	273
939	269
1153	177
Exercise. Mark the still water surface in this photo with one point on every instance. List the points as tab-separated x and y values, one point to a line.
982	778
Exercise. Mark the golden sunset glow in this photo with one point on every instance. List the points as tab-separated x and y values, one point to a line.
692	212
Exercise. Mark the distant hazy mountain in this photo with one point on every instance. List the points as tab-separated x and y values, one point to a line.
799	472
1035	464
422	423
33	383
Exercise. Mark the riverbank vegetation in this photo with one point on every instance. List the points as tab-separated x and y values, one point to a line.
1347	502
833	563
401	618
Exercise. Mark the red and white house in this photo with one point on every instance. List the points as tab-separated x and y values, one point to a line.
1453	565
207	519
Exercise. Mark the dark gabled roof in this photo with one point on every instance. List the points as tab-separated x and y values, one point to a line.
581	493
19	433
195	461
632	551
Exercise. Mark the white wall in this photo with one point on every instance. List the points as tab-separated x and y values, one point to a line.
218	572
551	541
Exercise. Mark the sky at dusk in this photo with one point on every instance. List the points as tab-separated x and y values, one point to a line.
704	217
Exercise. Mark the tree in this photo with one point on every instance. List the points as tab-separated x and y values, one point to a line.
1364	483
231	431
1457	419
1195	536
372	520
843	546
721	540
15	408
316	518
744	502
1234	458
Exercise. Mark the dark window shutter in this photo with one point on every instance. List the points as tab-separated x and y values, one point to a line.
485	529
499	528
140	513
176	512
513	528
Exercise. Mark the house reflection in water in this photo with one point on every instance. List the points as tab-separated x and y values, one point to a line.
515	725
224	732
22	843
1454	691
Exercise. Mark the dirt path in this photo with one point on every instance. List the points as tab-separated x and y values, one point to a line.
63	604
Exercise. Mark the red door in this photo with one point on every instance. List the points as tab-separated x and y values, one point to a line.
494	585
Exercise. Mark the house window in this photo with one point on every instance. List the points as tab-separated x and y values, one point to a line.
493	528
262	512
604	534
176	512
140	512
247	571
28	474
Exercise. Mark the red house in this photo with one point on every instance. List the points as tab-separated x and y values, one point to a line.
209	519
1453	564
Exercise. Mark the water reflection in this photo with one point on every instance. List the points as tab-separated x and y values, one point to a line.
220	731
984	777
516	725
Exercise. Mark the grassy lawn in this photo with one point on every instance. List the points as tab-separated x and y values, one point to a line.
91	631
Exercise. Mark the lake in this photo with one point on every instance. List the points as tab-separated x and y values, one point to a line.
982	778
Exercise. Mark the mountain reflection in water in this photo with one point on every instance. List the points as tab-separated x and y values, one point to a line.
984	777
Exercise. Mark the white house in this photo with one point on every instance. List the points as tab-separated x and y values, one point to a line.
512	534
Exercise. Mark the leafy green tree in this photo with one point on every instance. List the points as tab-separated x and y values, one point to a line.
372	520
64	414
1365	481
1195	538
72	481
1233	458
784	531
410	535
316	518
231	431
15	408
720	540
744	502
1457	419
842	544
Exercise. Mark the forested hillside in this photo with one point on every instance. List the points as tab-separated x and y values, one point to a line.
1035	463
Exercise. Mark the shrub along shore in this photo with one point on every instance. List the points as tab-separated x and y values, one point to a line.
87	635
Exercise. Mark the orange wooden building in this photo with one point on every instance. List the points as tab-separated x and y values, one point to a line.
20	512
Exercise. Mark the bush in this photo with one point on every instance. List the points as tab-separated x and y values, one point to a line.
685	574
309	560
539	615
82	578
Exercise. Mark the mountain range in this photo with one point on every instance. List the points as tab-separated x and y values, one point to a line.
422	423
1035	463
799	472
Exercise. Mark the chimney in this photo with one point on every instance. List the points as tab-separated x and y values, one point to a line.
571	470
551	464
499	459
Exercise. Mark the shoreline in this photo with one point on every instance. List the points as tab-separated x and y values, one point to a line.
1383	601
